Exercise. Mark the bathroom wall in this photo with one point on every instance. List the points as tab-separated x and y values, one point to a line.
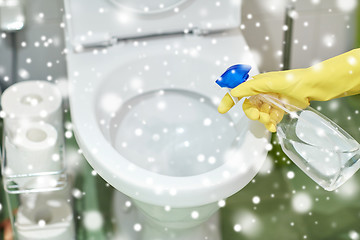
6	59
262	26
39	46
322	29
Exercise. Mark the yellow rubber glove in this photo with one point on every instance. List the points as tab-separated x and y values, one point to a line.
336	77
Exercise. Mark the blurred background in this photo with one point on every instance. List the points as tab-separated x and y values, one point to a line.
281	202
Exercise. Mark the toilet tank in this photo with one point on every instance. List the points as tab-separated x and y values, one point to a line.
99	22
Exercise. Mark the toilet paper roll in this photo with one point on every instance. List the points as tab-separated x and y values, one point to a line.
50	220
35	148
31	101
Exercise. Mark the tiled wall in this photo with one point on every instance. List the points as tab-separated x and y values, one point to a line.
6	58
322	29
262	26
39	45
326	29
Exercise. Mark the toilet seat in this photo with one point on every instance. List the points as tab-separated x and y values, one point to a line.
153	7
91	71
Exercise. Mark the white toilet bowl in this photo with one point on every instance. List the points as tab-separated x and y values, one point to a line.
155	134
145	116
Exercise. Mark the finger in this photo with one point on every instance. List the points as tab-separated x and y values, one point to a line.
226	104
264	113
271	126
264	117
250	110
265	108
276	115
253	87
256	101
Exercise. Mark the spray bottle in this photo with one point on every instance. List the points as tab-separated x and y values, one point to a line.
318	146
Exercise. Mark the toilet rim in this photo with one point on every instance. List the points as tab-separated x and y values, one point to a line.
154	188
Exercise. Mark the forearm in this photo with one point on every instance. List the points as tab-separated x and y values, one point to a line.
336	77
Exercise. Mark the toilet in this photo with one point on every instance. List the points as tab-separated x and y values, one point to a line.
144	107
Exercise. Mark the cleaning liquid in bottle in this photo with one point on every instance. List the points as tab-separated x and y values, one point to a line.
322	149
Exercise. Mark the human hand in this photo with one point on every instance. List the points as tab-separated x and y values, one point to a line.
336	77
286	86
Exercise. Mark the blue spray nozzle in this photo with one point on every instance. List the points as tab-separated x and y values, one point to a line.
234	76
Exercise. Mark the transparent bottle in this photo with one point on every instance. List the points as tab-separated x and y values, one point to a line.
318	146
